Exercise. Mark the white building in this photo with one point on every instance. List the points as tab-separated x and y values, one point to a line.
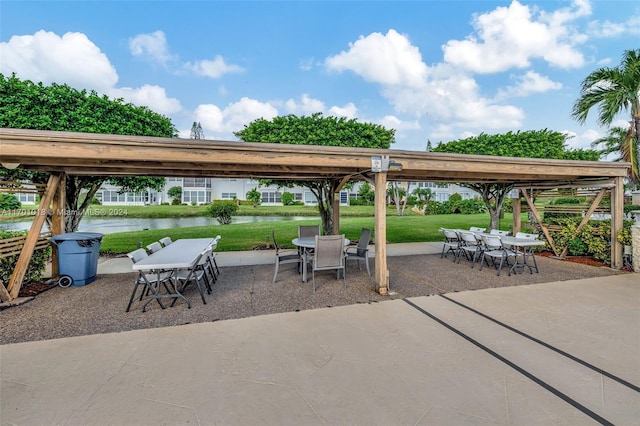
206	190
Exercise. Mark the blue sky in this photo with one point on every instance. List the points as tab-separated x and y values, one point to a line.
432	70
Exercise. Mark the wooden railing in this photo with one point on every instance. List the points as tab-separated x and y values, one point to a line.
13	246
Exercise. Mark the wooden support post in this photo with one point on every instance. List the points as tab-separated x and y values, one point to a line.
517	211
335	200
58	220
382	273
617	217
336	204
17	276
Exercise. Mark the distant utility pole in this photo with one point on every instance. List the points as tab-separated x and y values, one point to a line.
196	131
428	145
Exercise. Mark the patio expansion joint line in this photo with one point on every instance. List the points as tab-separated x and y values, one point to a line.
513	365
548	346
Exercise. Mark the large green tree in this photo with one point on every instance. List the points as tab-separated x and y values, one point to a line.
529	144
26	105
317	130
613	91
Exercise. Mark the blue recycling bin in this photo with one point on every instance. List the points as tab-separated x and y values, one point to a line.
78	254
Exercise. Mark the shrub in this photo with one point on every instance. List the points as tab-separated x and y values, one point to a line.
36	267
595	235
507	206
630	208
472	207
577	247
175	192
286	198
358	202
254	197
176	202
9	202
223	211
624	234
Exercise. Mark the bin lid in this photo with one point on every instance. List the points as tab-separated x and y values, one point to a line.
78	236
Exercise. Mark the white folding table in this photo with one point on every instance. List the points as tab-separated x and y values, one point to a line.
526	244
181	254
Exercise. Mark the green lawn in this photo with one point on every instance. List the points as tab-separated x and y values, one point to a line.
410	228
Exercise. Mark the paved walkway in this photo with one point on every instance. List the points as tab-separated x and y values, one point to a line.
556	353
265	257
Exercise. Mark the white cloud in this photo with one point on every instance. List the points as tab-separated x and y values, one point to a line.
440	93
403	130
306	64
607	29
349	111
46	57
306	106
581	140
527	84
154	97
152	46
388	59
212	69
509	37
221	123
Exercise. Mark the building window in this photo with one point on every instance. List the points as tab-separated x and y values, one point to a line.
270	197
442	196
26	198
199	197
196	183
229	195
432	185
309	198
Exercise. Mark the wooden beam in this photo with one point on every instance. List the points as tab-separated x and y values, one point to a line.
335	200
343	182
97	154
617	218
58	220
517	211
4	294
15	282
382	273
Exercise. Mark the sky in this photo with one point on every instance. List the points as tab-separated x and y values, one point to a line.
432	70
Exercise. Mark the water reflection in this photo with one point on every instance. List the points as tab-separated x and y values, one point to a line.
109	226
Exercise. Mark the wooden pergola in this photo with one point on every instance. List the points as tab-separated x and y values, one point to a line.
66	153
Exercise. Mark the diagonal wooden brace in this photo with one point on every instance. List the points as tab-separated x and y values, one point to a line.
32	238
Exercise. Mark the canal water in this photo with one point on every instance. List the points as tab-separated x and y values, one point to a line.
109	226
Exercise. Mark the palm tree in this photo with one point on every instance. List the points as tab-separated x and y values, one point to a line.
619	141
615	90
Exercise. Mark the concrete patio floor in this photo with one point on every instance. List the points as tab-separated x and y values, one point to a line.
554	353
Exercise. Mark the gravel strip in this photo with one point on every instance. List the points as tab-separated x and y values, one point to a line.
245	291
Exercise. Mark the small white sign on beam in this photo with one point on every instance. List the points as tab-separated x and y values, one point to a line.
376	164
